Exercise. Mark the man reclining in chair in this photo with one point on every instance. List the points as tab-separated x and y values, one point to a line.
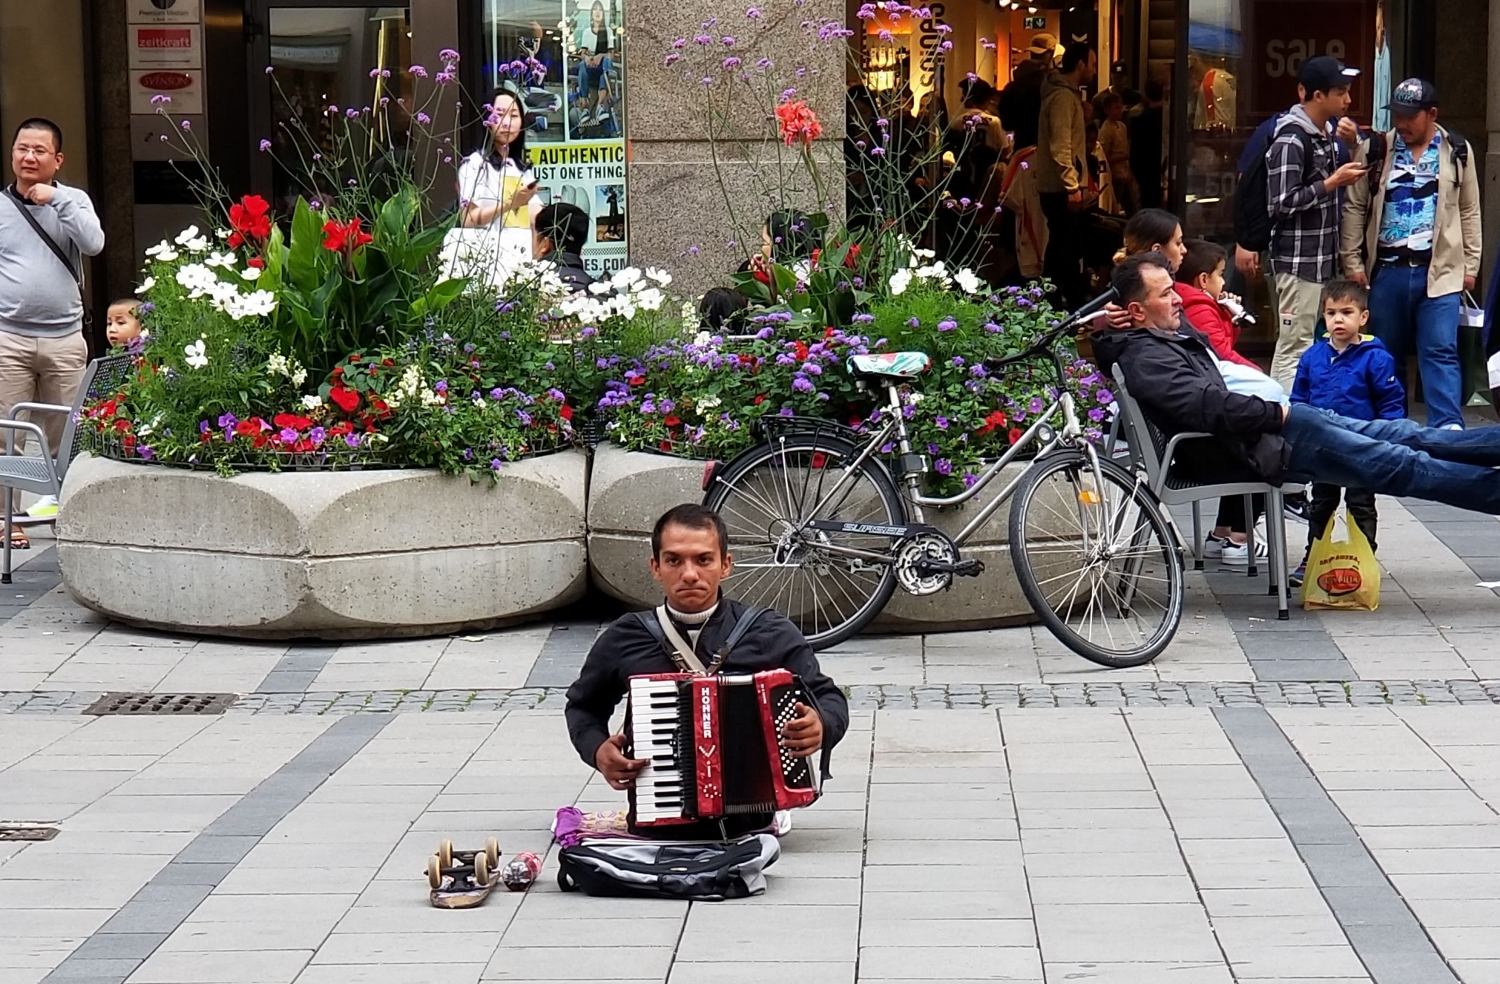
1170	370
690	556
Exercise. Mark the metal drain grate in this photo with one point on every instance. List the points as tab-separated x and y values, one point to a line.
161	704
18	832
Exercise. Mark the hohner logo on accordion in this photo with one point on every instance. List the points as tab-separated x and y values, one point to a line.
713	746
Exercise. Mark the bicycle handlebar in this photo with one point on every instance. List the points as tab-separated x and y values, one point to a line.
1043	345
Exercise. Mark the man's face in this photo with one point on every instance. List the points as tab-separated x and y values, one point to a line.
1415	128
1334	102
690	567
34	157
1160	307
1090	68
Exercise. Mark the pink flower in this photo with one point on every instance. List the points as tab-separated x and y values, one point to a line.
798	123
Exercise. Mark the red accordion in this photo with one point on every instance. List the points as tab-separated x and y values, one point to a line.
714	746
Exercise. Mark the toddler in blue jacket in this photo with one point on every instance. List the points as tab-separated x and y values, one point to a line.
1353	375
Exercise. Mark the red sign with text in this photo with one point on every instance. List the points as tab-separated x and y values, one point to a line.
1285	33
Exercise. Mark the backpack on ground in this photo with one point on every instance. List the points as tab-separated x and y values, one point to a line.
1253	225
698	871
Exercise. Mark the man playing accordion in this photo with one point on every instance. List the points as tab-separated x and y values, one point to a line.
690	557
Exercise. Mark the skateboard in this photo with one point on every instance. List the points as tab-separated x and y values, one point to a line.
463	879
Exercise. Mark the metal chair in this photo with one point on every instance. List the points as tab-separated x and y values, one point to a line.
1153	451
44	473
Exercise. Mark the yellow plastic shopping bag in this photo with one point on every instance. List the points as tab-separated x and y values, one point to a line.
1342	573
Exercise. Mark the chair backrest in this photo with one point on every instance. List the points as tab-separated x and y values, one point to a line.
1147	441
102	377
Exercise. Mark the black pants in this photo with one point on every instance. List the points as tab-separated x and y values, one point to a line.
1325	502
1232	512
1063	264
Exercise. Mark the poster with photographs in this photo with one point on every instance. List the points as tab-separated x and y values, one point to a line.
575	107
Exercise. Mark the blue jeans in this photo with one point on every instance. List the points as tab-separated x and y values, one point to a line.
589	79
1395	457
1403	316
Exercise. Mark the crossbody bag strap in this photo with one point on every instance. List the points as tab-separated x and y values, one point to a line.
57	250
683	652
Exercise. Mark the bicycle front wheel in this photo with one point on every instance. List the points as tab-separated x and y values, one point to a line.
830	583
1097	560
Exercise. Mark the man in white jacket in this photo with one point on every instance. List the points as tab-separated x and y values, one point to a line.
1061	177
45	231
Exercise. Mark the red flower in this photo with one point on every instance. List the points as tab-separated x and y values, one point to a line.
996	419
745	359
798	123
345	397
851	257
121	426
129	441
355	358
665	446
759	399
1016	434
345	238
292	420
260	440
247	428
762	276
801	351
256	262
250	220
341	428
380	407
673	421
635	380
566	412
388	363
338	370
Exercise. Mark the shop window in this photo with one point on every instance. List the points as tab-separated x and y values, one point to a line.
566	60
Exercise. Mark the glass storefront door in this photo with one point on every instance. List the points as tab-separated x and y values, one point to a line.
320	56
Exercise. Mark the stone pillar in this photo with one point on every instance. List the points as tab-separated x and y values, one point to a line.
1491	196
678	199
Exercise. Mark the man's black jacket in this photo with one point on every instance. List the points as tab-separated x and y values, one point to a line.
1175	378
570	270
628	649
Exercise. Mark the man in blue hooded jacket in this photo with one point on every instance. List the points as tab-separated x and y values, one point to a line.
1354	375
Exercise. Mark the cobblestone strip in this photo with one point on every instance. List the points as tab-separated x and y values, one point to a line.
297	670
1382	929
1354	693
133	933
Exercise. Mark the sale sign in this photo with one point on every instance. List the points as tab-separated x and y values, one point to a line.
1285	33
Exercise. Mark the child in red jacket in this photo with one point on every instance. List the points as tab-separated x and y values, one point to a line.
1200	284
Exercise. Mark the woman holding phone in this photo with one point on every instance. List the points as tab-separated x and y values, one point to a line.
497	188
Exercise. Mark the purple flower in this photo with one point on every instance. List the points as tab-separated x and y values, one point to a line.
786	412
932	448
445	77
1096	415
204	427
495	464
958	362
187	125
556	395
448	55
813	368
228	420
942	422
287	435
943	466
648	406
351	113
1036	405
978	372
887	448
731	62
753	13
913	323
441	386
947	324
352	440
524	418
727	41
1104	396
317	435
423	119
992	328
969	479
418	71
265	145
802	384
145	452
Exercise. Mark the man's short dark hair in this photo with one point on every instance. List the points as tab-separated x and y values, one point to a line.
1075	54
565	224
41	123
1202	257
695	517
1345	290
724	308
1129	276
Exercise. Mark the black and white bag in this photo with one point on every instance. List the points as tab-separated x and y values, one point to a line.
699	871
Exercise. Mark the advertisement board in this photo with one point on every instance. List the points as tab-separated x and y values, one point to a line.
170	46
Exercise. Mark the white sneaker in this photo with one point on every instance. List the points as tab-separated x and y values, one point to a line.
1213	546
1238	554
585	116
43	508
1453	427
782	822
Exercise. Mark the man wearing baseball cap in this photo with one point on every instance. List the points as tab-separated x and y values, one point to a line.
1412	233
1303	178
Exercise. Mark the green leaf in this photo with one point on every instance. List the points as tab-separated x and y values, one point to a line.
444	293
307	240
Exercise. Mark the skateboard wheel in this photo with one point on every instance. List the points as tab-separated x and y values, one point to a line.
434	872
445	853
481	870
492	851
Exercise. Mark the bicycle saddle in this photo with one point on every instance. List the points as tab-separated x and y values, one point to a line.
890	365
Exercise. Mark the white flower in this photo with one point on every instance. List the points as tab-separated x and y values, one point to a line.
900	280
197	278
312	402
163	252
600	287
299	376
969	281
277	365
197	245
187	235
624	278
197	356
431	399
222	233
702	338
225	259
149	283
709	403
252	273
661	277
650	299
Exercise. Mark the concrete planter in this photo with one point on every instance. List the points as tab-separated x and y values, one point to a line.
629	490
334	555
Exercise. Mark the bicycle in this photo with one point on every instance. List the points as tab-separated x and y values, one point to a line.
820	532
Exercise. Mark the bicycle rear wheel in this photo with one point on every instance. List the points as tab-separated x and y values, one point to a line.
1097	560
768	494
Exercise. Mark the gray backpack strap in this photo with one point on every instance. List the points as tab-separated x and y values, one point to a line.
681	650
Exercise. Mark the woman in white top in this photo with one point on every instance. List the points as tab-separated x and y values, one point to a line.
497	189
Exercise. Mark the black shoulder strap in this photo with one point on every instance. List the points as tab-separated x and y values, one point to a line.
1460	148
747	618
649	623
57	250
